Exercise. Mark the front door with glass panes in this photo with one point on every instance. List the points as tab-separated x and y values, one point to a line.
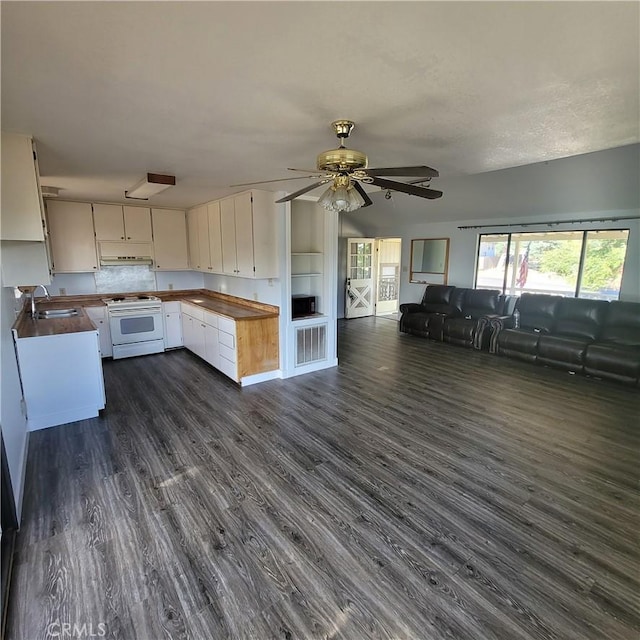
359	301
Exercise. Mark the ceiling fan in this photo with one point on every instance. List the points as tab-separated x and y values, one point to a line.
346	170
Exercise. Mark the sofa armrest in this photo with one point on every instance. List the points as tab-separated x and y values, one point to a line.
496	325
410	307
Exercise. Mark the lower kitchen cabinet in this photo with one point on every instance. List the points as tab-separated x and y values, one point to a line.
193	328
61	377
100	318
172	325
239	349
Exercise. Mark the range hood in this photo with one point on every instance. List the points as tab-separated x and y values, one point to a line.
114	254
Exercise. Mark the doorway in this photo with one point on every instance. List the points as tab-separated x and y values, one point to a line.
388	252
373	277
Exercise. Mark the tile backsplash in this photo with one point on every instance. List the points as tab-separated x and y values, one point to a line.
135	277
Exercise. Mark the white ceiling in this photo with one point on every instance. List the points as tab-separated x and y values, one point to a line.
223	92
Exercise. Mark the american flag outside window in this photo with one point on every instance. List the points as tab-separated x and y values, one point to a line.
523	272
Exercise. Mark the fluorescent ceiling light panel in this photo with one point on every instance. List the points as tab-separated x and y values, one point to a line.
149	186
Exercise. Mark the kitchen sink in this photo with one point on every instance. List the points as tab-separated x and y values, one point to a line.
48	314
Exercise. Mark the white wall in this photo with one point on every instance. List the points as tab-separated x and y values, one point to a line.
267	291
12	420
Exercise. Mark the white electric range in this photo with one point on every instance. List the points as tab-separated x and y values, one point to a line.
136	325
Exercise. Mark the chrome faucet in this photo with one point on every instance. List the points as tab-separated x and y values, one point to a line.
33	298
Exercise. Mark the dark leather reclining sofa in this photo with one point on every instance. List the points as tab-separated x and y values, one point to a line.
456	315
594	337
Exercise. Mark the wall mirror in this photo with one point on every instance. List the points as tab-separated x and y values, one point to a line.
429	260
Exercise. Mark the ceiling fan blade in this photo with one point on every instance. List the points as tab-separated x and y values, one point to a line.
247	184
315	172
365	196
427	172
292	196
422	192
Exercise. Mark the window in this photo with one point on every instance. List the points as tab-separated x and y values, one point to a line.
588	264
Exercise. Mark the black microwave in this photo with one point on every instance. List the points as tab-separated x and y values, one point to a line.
302	305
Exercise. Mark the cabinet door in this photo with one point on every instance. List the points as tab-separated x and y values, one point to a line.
244	235
215	237
192	230
212	352
100	318
173	330
187	331
198	339
203	238
228	236
21	204
73	246
109	222
169	239
137	224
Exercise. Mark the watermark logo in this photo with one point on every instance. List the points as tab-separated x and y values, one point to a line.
64	630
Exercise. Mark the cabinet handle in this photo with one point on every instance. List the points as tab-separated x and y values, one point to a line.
121	237
129	238
95	267
157	266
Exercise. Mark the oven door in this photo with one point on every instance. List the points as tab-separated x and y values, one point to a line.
135	325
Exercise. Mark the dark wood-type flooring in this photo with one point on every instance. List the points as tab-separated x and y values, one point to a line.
419	490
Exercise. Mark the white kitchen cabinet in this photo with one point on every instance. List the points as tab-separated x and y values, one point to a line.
61	377
100	318
192	239
193	329
203	238
212	352
248	224
22	210
215	237
71	236
172	325
169	240
116	223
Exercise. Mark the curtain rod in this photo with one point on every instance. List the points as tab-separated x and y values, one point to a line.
550	224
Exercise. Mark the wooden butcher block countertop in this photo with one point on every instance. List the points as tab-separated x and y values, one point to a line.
220	303
26	327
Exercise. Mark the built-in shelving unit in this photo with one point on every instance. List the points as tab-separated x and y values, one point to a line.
312	260
307	251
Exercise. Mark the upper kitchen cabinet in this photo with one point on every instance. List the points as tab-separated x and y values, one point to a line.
21	199
71	234
169	240
205	250
215	237
116	223
193	240
248	235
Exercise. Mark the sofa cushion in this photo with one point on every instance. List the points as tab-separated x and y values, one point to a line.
580	318
519	343
562	351
437	294
481	302
622	323
537	311
614	361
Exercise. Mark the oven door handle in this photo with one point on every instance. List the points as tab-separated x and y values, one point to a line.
114	313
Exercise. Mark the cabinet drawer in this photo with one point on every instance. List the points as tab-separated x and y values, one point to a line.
227	325
193	311
211	319
171	307
227	339
228	368
226	352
